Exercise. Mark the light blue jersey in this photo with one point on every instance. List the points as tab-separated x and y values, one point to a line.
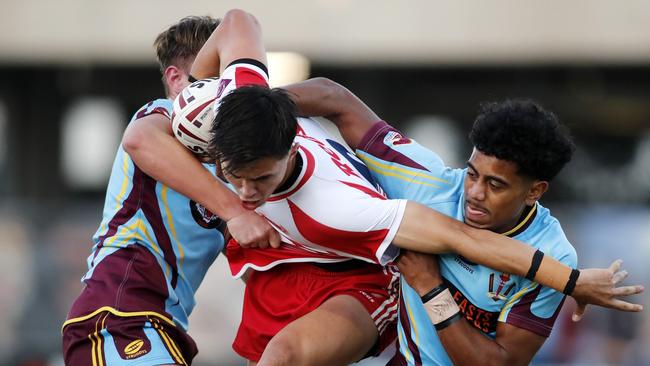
152	248
406	170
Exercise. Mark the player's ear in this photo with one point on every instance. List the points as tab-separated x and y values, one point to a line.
175	78
537	189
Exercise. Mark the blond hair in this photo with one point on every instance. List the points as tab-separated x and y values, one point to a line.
179	44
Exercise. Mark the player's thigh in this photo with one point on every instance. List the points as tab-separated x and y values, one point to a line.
338	332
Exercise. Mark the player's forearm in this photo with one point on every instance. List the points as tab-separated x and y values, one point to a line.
160	156
427	231
326	98
318	97
512	256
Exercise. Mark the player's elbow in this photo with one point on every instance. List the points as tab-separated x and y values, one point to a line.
334	94
237	17
330	87
134	139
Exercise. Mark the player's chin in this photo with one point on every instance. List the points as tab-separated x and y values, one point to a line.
479	223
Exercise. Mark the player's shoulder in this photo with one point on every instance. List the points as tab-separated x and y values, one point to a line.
311	129
550	237
384	144
162	106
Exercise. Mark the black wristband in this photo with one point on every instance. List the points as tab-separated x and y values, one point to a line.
451	320
534	265
433	293
571	283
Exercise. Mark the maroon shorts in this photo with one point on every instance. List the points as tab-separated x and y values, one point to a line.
276	297
106	339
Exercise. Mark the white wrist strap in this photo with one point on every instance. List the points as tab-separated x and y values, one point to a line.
442	307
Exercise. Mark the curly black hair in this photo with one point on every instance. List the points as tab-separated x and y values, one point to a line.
523	132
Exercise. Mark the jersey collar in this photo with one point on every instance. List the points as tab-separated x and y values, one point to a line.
525	220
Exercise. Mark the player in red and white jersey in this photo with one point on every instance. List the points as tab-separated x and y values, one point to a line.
351	238
313	228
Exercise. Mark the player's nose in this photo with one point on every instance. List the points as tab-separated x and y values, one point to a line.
476	191
248	190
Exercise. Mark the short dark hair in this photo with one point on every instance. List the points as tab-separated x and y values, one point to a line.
251	123
180	43
523	132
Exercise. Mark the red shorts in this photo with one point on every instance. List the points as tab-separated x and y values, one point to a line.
276	297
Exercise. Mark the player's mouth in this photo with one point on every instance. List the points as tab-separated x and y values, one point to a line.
251	205
474	212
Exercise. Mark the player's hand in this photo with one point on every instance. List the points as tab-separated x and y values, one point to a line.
420	270
251	230
598	286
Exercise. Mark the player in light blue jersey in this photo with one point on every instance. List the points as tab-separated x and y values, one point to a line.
154	245
518	148
459	312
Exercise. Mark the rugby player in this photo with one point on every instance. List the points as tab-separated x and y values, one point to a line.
154	245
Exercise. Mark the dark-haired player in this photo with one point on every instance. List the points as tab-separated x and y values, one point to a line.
518	148
154	245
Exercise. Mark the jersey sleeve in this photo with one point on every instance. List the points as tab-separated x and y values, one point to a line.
240	73
243	72
158	106
406	169
535	307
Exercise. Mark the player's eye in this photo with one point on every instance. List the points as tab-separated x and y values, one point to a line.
495	185
230	175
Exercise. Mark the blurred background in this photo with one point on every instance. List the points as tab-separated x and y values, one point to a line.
72	72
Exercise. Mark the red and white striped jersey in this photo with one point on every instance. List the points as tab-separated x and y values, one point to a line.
331	213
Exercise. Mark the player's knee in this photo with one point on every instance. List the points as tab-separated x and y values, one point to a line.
282	351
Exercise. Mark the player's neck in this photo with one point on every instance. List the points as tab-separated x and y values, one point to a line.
519	224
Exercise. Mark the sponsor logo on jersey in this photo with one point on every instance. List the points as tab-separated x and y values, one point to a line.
134	349
395	138
464	264
204	217
495	292
485	321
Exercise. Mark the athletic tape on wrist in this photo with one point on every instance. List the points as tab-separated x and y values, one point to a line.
571	283
534	265
441	307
